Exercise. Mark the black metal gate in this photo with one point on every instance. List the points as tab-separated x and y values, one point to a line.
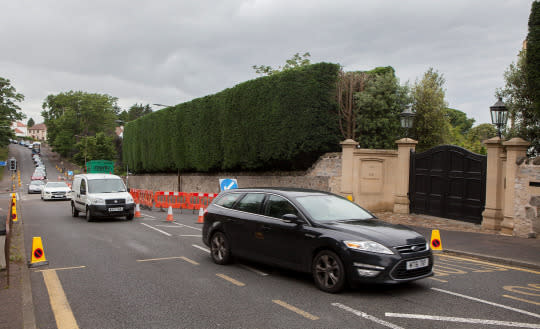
448	181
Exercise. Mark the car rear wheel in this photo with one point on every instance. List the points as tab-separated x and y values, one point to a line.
219	248
74	211
89	216
328	272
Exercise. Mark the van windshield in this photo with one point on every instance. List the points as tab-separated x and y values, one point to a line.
106	186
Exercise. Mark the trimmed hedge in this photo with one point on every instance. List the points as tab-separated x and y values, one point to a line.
280	122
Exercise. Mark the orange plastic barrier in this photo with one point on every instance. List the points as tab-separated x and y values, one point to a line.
177	200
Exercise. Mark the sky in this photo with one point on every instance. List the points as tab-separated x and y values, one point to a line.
172	51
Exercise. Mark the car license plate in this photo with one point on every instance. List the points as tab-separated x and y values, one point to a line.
414	264
116	209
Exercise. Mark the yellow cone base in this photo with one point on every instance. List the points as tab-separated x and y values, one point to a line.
32	265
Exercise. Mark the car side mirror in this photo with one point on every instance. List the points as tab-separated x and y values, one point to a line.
292	218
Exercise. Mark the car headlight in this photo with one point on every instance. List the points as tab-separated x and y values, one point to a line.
129	199
370	246
97	201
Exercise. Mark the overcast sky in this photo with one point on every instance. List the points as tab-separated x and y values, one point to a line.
170	52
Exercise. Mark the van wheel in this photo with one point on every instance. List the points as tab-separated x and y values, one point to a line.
129	216
89	216
74	211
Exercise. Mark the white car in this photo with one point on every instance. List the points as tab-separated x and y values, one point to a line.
56	191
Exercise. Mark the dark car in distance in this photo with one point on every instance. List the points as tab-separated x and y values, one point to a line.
321	233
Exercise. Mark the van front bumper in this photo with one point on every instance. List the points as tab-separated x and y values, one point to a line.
116	210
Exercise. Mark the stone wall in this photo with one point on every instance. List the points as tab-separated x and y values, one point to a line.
323	175
527	199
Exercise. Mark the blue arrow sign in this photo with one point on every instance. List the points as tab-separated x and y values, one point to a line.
227	184
2	163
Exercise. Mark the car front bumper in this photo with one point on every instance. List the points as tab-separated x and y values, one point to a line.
388	269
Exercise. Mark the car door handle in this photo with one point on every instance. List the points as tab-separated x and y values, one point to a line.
266	228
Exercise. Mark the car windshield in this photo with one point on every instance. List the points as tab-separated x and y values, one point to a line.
328	208
37	182
106	186
56	184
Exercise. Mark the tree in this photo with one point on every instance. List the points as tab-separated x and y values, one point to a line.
379	106
349	83
9	109
294	62
98	147
30	123
138	110
431	125
531	118
71	114
459	120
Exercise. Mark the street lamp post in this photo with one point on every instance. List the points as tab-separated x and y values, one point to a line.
406	118
499	115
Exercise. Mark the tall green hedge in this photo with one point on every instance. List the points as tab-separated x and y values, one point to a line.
283	121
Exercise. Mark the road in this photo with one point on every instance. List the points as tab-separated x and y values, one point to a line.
150	273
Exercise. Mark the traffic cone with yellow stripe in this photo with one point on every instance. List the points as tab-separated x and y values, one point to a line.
38	253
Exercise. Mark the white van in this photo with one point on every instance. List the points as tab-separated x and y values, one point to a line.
101	195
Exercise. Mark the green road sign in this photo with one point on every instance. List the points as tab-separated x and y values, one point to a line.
100	167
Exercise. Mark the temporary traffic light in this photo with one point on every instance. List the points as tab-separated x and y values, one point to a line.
13	164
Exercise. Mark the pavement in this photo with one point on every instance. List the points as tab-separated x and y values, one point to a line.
457	237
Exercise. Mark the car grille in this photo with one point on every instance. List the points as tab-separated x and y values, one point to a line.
115	201
412	248
400	272
58	193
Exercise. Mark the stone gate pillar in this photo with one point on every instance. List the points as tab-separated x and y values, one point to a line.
492	216
348	146
401	197
515	148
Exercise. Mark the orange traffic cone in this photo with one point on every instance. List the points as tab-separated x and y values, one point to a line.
169	215
137	211
200	220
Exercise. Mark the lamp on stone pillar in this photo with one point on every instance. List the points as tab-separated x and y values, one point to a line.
499	115
406	118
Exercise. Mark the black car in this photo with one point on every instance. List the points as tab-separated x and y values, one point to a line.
317	232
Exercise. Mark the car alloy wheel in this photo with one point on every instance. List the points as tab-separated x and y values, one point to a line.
328	272
219	248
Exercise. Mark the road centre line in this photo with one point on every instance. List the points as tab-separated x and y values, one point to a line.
440	280
167	258
367	316
463	320
160	231
296	310
231	280
491	264
201	248
487	302
184	225
249	268
61	269
60	306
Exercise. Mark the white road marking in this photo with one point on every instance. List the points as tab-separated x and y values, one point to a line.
464	320
367	316
487	302
169	226
192	235
157	229
202	248
249	268
195	228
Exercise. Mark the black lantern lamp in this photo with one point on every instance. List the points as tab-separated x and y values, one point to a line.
406	119
499	115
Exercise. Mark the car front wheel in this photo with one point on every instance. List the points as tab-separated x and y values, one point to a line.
328	272
219	248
